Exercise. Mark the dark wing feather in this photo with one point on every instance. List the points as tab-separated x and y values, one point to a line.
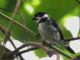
61	36
57	27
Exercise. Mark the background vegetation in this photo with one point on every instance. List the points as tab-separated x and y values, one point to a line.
16	19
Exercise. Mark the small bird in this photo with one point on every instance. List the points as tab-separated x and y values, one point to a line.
49	30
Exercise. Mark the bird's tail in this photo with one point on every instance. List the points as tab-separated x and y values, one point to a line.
50	53
70	50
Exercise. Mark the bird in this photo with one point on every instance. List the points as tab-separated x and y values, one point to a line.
50	31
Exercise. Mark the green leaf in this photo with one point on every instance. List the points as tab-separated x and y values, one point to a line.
40	53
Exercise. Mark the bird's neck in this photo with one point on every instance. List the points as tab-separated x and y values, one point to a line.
45	22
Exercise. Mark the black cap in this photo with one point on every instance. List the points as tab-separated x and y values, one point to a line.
38	14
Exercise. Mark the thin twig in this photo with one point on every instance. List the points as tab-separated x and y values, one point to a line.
5	48
16	22
71	39
3	30
7	36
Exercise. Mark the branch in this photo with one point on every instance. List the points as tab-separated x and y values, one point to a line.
7	35
71	39
5	48
16	22
34	48
29	49
39	45
3	30
3	52
16	8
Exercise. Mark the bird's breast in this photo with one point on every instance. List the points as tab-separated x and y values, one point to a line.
46	31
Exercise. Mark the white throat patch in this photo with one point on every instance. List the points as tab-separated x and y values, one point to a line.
45	15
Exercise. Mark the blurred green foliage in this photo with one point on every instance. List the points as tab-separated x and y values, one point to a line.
40	53
57	9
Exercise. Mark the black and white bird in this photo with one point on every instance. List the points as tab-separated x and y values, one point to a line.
49	30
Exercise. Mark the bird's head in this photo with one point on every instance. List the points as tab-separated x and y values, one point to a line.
41	17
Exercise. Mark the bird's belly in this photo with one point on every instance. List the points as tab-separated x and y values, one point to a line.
46	33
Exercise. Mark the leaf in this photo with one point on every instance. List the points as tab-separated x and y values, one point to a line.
40	53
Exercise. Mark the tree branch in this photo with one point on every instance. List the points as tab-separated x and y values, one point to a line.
40	46
29	49
16	22
3	29
71	39
7	35
34	48
35	45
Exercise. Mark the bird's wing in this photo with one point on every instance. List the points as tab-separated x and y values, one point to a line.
57	27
